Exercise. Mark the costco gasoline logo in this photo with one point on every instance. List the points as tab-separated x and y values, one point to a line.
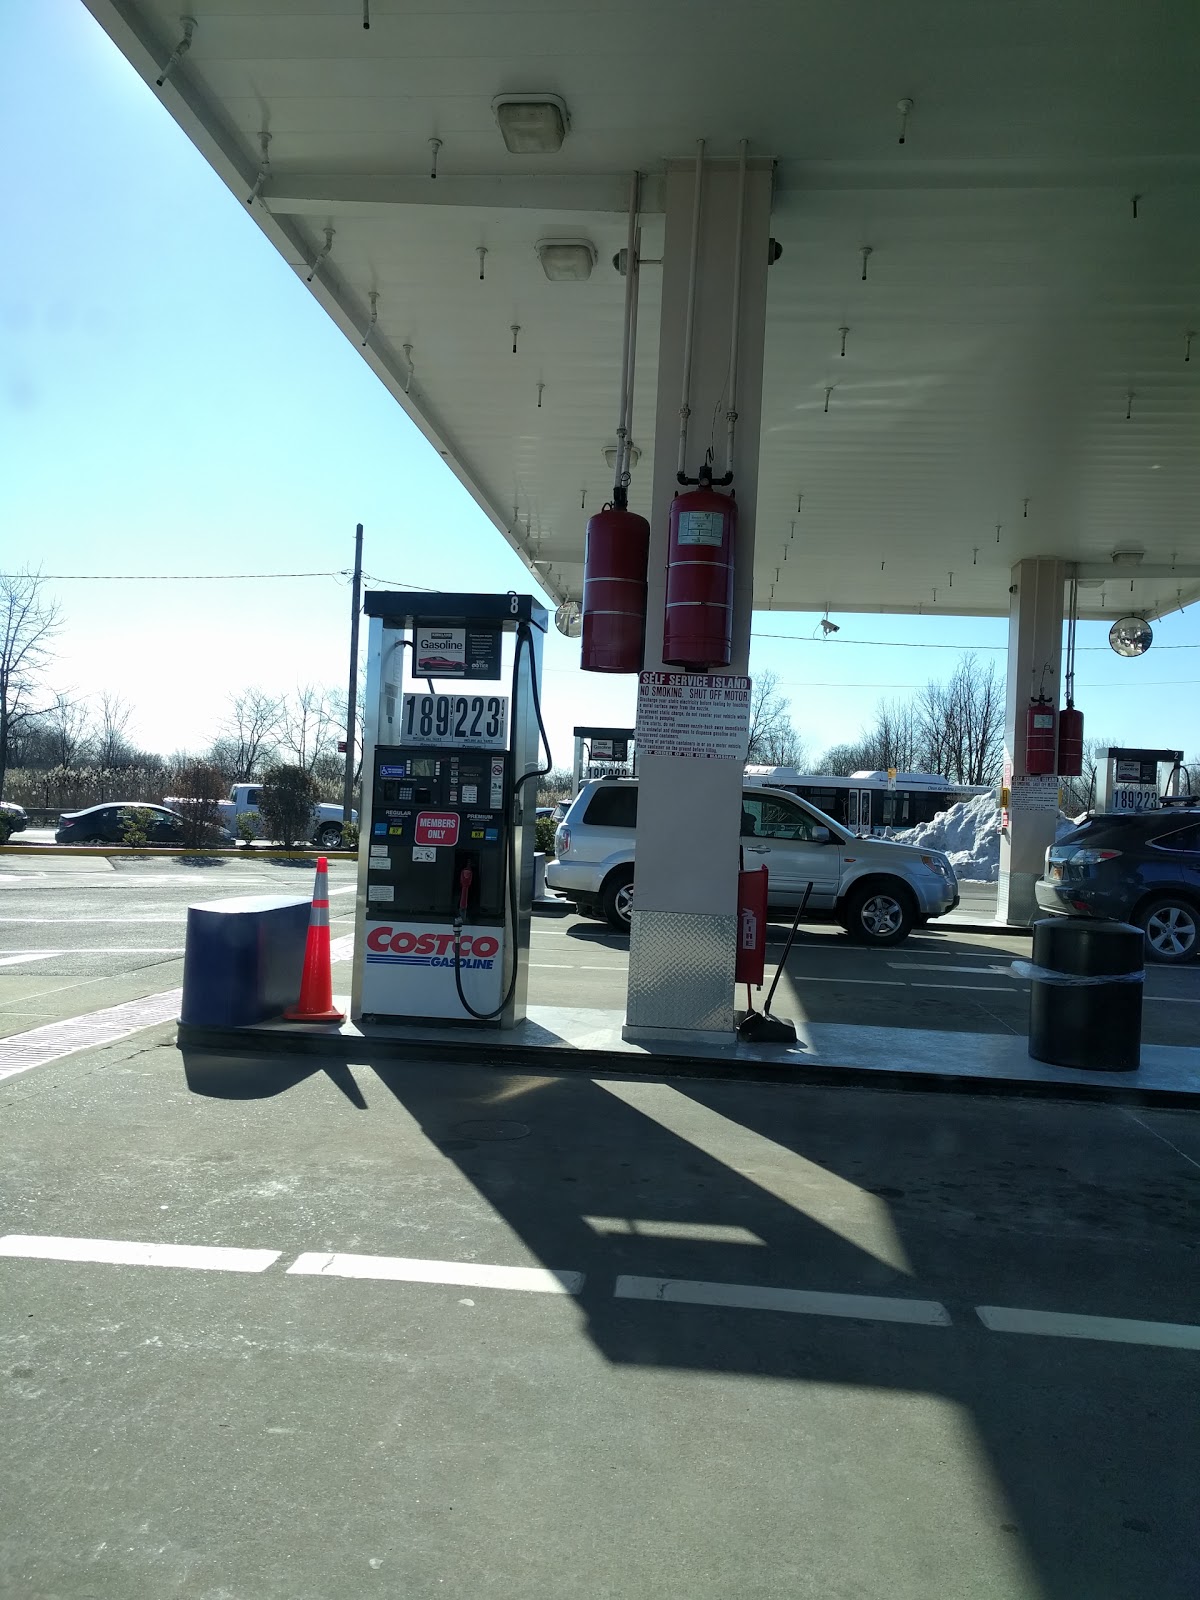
402	947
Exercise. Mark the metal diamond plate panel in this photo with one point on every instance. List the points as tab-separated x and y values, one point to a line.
681	970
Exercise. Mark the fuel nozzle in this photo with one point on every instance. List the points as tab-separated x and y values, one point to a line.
465	878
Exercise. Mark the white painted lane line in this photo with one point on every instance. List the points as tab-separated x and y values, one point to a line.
1065	1325
468	1274
662	1228
30	955
803	1302
1174	999
107	950
129	1253
57	1039
342	949
971	988
944	966
874	983
44	922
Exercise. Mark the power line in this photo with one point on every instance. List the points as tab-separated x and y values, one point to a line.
924	644
163	577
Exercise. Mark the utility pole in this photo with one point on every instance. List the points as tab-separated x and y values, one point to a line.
352	692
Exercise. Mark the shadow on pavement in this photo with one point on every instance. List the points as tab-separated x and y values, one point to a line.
226	1077
964	1204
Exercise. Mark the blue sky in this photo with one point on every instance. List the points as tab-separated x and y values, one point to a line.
172	400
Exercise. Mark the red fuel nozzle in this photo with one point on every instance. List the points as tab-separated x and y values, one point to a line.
465	879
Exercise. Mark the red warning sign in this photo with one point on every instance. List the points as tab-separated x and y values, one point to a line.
436	827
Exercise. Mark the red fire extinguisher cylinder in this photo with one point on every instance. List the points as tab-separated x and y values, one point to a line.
1041	738
614	591
698	625
751	958
1070	742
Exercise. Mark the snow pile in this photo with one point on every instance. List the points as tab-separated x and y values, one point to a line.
968	833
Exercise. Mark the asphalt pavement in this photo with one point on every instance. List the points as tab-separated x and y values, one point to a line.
80	932
274	1331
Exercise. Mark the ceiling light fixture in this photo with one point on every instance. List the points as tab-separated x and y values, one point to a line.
531	124
632	456
566	260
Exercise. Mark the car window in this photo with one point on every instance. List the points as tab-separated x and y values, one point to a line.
614	807
1186	840
765	817
253	796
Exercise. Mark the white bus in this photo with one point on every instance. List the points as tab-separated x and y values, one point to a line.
867	801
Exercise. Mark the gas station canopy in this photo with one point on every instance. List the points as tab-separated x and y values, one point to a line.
983	342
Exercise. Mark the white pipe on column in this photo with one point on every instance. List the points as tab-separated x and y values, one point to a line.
623	405
731	414
685	410
634	270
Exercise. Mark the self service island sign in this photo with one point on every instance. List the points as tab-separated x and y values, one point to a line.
456	653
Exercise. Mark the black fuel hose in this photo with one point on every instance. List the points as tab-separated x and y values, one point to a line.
524	642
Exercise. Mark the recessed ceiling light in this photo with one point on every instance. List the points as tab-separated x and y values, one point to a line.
566	260
532	124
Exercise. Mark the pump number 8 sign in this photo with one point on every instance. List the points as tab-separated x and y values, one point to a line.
455	720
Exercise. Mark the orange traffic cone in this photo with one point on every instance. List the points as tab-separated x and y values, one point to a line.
316	984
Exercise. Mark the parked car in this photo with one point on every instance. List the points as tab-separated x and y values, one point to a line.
1142	867
326	825
14	815
106	824
879	891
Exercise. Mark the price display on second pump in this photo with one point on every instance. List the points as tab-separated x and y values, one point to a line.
455	720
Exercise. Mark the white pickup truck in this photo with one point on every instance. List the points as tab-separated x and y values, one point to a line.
243	801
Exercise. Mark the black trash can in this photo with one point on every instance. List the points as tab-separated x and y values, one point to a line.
1085	997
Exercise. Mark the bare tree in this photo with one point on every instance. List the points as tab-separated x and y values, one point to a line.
309	726
960	724
248	734
28	622
773	738
65	730
113	748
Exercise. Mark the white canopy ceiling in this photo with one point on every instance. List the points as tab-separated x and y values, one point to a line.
1014	381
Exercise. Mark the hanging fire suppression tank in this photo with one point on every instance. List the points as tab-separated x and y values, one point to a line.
614	591
1070	742
1070	721
617	546
698	623
1041	727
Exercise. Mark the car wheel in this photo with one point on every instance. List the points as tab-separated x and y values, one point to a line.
616	901
879	914
1172	929
330	835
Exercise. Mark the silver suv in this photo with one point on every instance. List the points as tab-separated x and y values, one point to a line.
879	891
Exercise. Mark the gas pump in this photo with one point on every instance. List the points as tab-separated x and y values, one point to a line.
446	842
603	753
1129	779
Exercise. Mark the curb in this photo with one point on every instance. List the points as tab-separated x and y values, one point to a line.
462	1048
125	851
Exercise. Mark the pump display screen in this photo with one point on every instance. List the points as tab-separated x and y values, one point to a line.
421	767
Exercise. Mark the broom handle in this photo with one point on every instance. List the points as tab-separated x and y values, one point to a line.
787	949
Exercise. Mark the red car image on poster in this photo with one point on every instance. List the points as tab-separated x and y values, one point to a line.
436	827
